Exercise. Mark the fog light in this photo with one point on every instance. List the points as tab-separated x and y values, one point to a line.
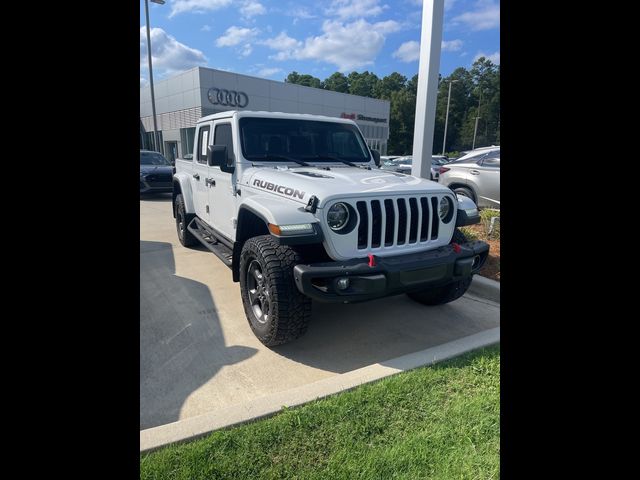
342	283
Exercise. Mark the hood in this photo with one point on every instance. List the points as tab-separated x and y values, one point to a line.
300	184
147	169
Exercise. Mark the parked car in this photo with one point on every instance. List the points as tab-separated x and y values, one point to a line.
403	165
156	173
438	160
294	206
478	151
476	177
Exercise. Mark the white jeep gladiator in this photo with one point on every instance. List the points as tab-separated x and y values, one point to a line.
297	207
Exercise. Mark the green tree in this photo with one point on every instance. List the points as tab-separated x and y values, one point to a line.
393	82
306	80
362	84
337	82
401	122
475	92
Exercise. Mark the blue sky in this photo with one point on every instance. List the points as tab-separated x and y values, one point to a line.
270	38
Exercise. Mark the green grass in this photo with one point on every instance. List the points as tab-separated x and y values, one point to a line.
439	422
486	214
470	234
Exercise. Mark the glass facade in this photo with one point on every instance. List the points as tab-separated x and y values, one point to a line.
150	143
187	136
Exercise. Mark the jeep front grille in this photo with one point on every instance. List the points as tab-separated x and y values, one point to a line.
397	221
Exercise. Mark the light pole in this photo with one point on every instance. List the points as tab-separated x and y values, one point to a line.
474	134
475	130
446	120
430	45
153	97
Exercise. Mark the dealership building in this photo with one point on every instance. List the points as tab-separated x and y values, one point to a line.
182	99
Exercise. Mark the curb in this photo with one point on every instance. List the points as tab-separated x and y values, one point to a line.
195	427
485	288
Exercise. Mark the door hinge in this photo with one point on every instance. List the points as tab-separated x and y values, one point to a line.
234	221
207	208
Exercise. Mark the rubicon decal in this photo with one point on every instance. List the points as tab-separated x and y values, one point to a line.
272	187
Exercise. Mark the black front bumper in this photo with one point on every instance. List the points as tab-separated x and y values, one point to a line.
390	275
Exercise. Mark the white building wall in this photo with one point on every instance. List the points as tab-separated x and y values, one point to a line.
182	99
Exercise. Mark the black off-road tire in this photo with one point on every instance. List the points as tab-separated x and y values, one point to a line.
182	220
447	293
467	192
276	310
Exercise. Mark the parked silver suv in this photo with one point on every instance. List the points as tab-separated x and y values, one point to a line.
475	176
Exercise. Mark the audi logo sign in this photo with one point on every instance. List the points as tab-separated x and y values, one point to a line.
228	98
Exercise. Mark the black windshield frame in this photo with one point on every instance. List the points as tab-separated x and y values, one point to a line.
315	132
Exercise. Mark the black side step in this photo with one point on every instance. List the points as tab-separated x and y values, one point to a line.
209	240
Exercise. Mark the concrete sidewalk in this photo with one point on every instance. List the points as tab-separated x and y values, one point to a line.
198	354
195	427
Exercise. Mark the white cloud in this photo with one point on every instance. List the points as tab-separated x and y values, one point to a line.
388	26
168	55
281	42
300	13
485	16
246	50
451	45
267	72
348	46
252	8
494	57
143	82
235	36
196	6
206	28
408	52
346	9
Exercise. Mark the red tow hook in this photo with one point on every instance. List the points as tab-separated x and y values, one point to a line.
372	260
456	247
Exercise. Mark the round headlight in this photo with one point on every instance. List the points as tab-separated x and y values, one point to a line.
337	216
445	209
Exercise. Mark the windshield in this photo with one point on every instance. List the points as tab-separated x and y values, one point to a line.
152	158
273	139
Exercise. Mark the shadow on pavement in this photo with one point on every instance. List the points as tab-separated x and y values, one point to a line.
181	342
344	337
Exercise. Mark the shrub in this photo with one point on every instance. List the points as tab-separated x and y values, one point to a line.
486	215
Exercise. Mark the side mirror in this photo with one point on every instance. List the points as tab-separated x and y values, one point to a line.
376	157
217	155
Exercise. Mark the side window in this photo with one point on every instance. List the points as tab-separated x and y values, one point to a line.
480	158
491	162
223	136
203	142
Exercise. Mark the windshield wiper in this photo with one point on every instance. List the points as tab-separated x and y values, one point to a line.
338	159
275	156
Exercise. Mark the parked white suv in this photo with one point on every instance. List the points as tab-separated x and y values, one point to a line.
295	206
475	176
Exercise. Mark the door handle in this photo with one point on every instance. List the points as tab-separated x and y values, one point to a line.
474	172
196	176
210	181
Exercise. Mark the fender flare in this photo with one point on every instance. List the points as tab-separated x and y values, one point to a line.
274	210
182	185
467	212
